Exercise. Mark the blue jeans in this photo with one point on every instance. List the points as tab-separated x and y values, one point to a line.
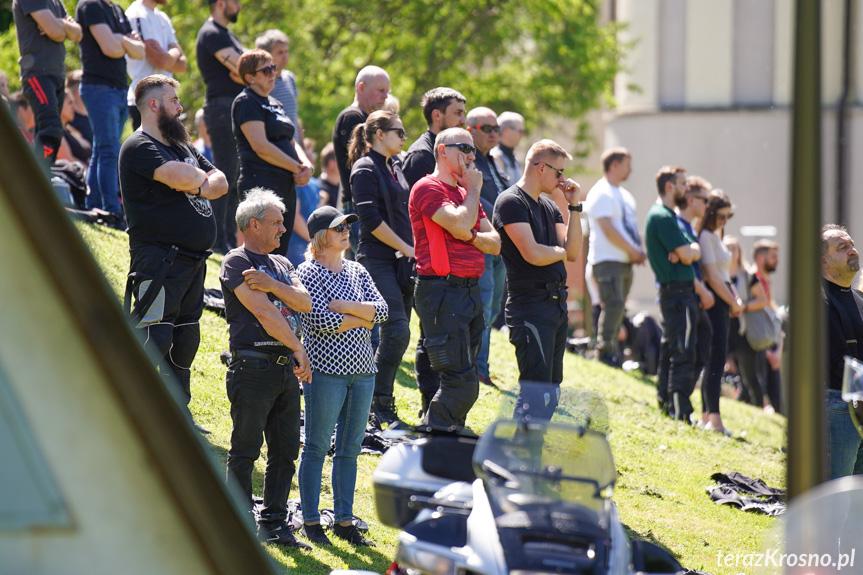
108	113
491	291
844	444
341	402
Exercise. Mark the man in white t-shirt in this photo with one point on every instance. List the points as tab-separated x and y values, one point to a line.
615	245
162	54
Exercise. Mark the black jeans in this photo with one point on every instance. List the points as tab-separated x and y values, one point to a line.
217	116
265	403
396	331
282	183
45	95
171	321
711	385
538	323
679	308
703	341
451	325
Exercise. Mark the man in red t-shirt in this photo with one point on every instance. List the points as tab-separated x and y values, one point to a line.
451	234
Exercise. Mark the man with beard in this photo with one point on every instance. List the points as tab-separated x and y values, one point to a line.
840	262
443	108
167	186
671	254
162	52
218	51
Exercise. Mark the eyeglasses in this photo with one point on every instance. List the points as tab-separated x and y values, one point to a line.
268	70
341	227
463	148
723	217
559	172
488	128
702	198
400	131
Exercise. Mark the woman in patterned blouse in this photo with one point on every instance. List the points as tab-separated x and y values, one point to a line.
337	337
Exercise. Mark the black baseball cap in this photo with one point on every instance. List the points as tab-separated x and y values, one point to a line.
328	217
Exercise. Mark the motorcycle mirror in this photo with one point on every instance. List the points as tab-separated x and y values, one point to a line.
852	391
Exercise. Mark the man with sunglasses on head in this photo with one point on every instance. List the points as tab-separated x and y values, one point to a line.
535	246
443	108
482	125
451	234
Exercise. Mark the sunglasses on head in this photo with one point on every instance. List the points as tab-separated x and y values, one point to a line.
463	148
341	227
269	70
400	131
488	128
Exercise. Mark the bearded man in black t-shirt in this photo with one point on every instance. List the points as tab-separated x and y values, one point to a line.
167	186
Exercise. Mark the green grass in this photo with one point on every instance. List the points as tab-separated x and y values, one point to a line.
663	465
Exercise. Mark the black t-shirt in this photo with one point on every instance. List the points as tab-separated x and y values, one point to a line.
245	331
99	68
252	107
331	189
40	55
371	208
514	206
838	342
345	124
156	213
490	191
420	159
212	38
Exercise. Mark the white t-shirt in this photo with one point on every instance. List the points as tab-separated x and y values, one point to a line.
151	25
607	201
713	251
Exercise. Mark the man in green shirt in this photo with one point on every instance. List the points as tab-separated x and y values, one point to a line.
671	254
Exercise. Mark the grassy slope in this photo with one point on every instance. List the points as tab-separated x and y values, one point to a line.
663	466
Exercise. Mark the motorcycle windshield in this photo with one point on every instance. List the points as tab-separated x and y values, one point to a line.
530	463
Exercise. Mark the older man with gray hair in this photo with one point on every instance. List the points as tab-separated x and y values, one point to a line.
511	132
263	296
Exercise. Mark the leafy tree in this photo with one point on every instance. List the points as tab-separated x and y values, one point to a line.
542	58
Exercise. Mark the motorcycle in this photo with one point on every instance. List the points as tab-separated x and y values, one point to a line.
528	496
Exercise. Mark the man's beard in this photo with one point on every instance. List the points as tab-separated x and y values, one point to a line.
770	267
172	129
232	17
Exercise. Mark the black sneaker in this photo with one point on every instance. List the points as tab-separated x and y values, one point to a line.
315	534
352	535
384	409
281	535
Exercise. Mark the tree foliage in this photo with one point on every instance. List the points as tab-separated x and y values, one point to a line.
542	58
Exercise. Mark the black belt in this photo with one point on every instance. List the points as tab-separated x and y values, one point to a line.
526	285
451	279
677	287
271	357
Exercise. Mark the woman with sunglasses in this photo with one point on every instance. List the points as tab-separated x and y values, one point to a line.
386	250
265	139
337	337
716	265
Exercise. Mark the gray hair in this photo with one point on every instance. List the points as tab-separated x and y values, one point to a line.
255	205
510	120
269	39
368	73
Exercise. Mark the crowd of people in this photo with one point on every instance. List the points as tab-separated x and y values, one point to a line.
321	275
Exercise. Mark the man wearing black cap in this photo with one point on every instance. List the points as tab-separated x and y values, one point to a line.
262	298
218	51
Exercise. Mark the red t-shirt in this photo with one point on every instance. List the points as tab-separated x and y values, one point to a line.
438	253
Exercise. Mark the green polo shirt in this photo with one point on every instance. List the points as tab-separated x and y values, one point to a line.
662	235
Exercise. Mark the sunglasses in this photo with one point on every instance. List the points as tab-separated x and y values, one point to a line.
268	70
400	131
723	217
559	172
463	148
488	128
341	227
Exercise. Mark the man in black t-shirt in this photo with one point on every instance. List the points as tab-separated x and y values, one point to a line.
167	186
370	92
840	262
41	27
262	298
217	51
535	244
443	108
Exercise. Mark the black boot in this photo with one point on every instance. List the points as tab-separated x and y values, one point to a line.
384	408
